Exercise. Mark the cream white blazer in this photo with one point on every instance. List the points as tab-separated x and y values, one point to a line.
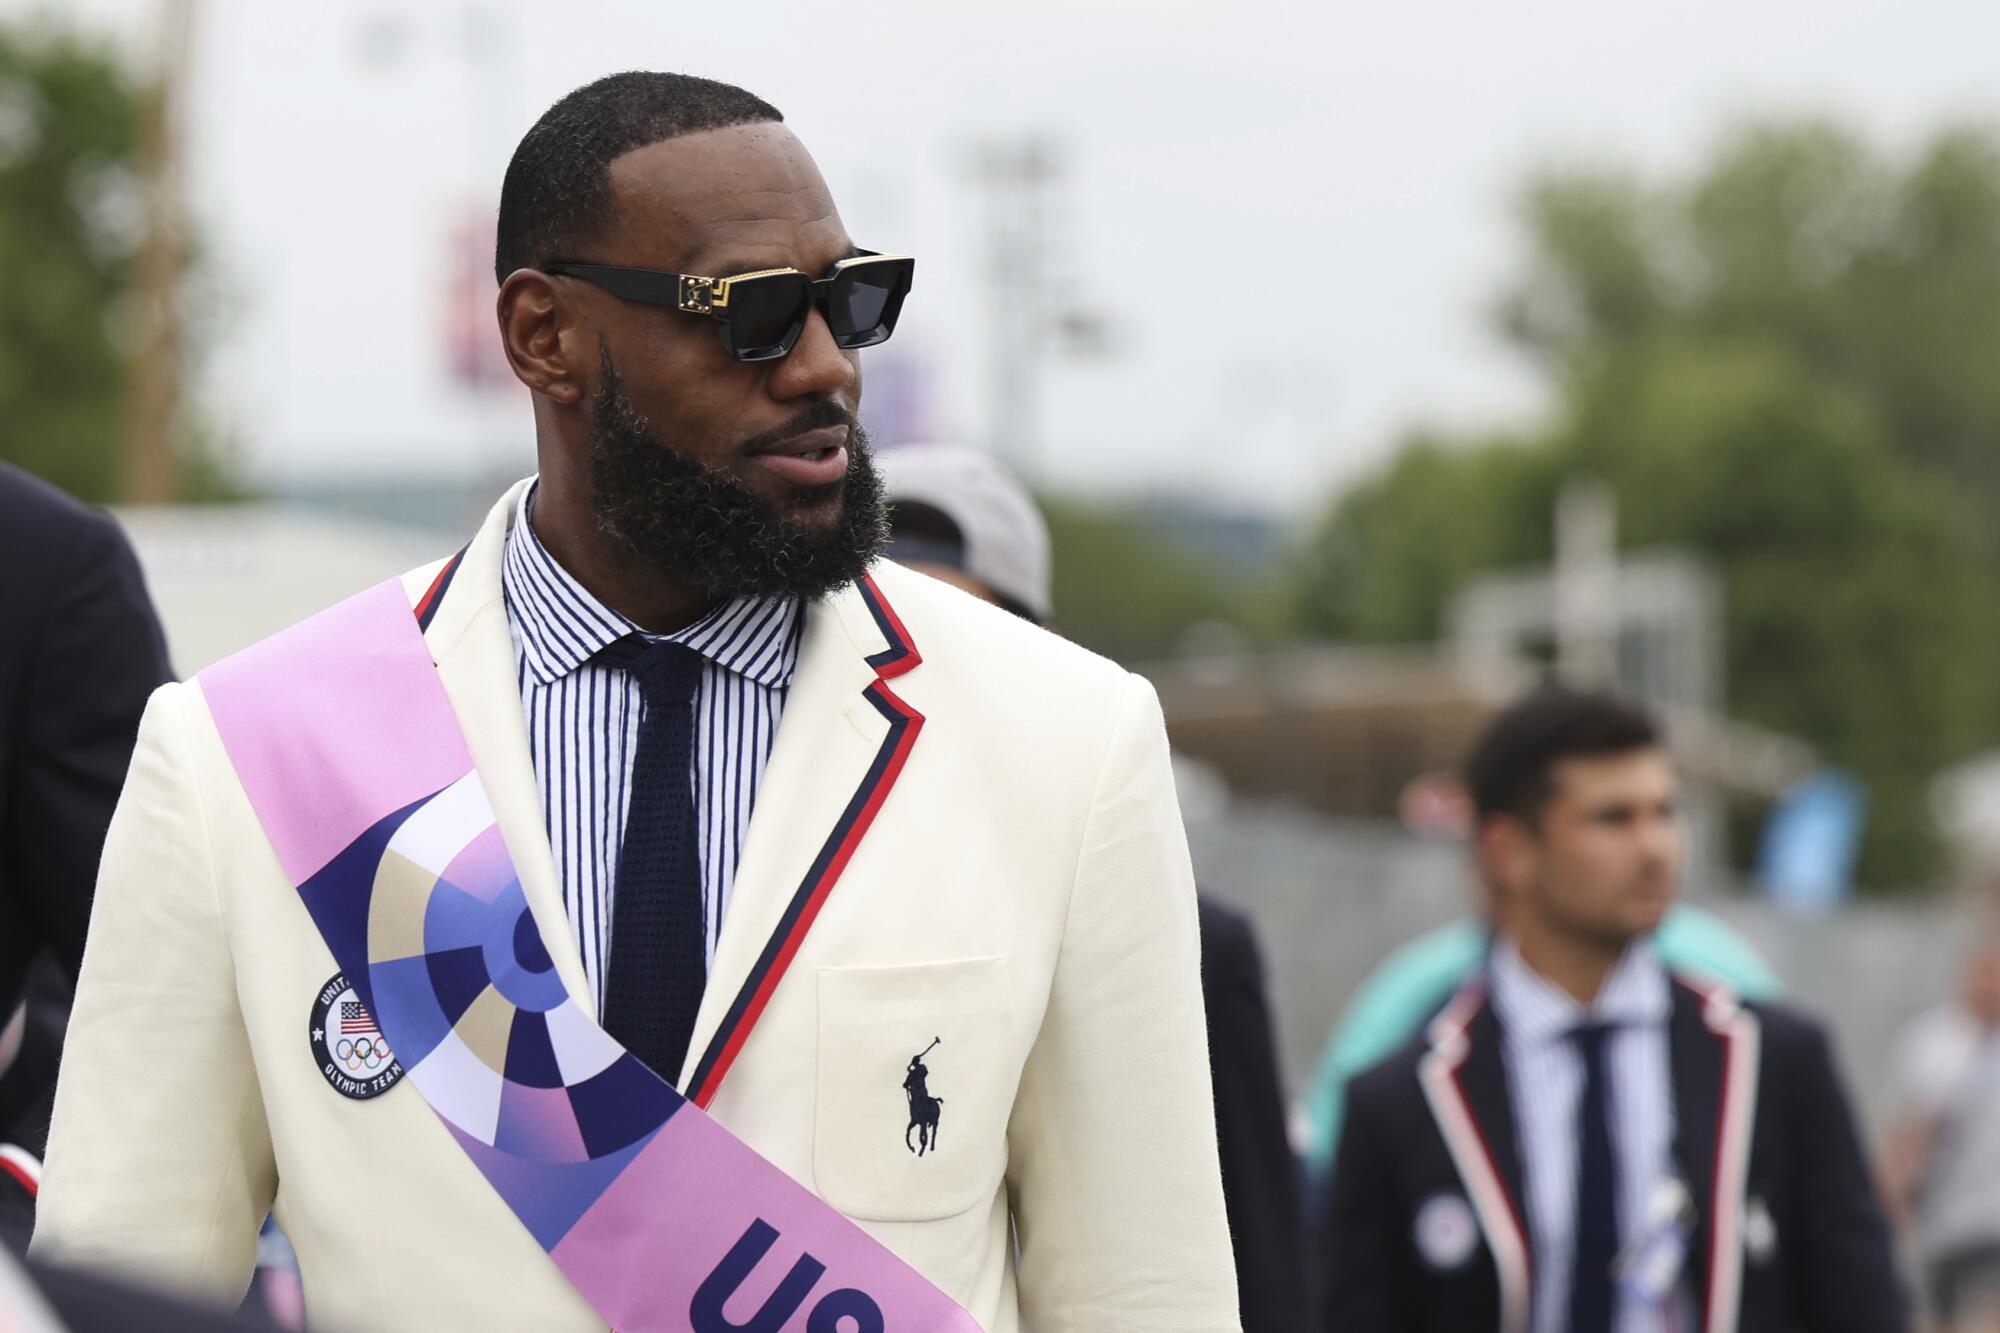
1023	895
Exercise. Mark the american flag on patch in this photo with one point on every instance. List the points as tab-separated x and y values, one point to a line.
354	1020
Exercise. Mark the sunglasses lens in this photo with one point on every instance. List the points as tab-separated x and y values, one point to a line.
766	315
865	302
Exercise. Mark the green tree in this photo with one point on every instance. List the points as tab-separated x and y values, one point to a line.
69	125
1783	363
1119	589
1857	591
72	215
1877	274
1395	549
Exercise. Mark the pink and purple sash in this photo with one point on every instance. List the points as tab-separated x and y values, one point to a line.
355	764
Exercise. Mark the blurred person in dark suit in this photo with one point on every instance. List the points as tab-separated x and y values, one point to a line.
1414	982
1585	1140
80	653
1260	1176
956	515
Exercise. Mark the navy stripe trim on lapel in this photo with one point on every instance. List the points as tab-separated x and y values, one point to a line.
427	606
904	724
901	654
1438	1073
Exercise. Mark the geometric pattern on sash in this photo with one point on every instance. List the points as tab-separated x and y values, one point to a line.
454	970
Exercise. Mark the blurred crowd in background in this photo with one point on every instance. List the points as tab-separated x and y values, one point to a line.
1742	463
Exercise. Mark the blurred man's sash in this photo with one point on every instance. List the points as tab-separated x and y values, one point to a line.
355	764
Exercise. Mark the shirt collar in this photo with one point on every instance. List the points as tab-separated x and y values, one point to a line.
1533	1008
561	625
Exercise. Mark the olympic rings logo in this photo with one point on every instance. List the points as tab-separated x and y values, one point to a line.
362	1053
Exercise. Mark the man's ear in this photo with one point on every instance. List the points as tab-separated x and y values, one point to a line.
541	336
1506	851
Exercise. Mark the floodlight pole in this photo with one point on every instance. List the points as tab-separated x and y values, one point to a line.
1586	583
1016	177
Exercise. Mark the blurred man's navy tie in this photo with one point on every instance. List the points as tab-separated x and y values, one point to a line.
658	940
1596	1249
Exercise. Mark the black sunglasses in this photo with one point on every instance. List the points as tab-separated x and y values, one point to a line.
763	313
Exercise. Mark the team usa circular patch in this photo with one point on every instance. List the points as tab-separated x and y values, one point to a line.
352	1053
1446	1232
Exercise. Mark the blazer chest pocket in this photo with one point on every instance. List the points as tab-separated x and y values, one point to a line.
914	1088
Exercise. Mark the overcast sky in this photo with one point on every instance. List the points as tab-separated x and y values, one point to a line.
1292	217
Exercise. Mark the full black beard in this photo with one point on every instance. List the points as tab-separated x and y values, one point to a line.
671	512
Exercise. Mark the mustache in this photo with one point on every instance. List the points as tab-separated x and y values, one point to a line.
817	417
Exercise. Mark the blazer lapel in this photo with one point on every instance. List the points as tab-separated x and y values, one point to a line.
1714	1054
468	638
1464	1079
840	747
1695	1056
1484	1078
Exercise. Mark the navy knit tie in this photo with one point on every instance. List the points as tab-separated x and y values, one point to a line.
1596	1249
659	957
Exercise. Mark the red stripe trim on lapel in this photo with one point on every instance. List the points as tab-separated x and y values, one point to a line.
427	605
904	724
19	1163
901	655
1740	1035
1499	1216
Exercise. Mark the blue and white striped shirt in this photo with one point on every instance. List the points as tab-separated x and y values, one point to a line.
1545	1085
583	728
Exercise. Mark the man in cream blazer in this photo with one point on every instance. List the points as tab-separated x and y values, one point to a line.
1014	921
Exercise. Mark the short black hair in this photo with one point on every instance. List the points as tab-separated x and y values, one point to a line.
1510	768
557	193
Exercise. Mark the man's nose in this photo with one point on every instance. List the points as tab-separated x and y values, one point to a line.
816	367
1660	837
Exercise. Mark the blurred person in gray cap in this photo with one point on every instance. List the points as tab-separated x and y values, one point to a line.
957	515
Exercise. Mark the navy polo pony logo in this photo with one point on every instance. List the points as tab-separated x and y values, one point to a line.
924	1108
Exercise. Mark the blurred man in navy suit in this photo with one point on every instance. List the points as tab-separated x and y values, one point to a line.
80	651
1586	1141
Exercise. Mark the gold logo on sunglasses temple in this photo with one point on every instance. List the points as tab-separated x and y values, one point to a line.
698	294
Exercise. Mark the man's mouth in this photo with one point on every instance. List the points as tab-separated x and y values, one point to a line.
815	458
1652	888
